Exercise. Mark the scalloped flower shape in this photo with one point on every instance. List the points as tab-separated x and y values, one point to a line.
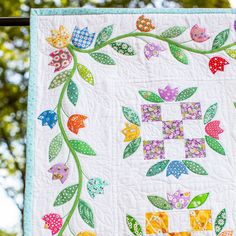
176	168
96	186
76	122
53	222
131	132
48	118
153	50
168	94
144	24
213	129
81	38
199	34
179	199
217	64
60	172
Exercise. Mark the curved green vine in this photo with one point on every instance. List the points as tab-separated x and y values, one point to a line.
66	139
167	40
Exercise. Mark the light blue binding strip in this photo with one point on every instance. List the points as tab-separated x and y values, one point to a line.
33	78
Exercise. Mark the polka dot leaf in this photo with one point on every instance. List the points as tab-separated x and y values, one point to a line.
210	113
215	145
104	35
123	48
132	147
220	221
220	39
102	58
133	225
198	201
55	147
82	147
150	96
173	32
158	168
60	79
195	167
72	92
65	195
86	213
85	74
185	94
160	203
178	54
231	53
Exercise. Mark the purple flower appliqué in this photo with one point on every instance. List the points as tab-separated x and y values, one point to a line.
59	171
176	168
153	50
179	199
48	118
168	94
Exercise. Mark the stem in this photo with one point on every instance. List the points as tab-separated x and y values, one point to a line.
78	165
167	40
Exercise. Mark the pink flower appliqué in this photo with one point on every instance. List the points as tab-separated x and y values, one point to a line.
168	94
59	171
198	34
213	129
53	222
153	50
217	63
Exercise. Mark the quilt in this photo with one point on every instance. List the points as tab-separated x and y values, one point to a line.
131	123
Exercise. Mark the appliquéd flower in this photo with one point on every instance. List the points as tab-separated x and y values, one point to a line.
59	171
217	64
76	122
131	132
153	50
179	199
53	222
144	24
168	94
96	186
81	38
59	38
213	129
48	118
61	58
86	233
199	34
176	168
226	233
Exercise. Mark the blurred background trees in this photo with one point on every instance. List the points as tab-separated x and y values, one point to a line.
14	65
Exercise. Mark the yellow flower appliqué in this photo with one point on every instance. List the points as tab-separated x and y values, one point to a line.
131	132
86	233
60	38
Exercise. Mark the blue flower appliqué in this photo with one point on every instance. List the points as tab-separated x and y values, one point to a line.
176	168
82	38
48	118
96	186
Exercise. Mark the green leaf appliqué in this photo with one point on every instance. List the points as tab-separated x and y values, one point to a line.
82	147
55	147
86	213
195	167
104	35
150	96
178	54
220	221
65	195
210	113
132	147
231	53
102	58
60	79
131	116
160	202
72	92
215	145
173	32
158	168
185	94
85	74
198	201
134	226
123	48
220	39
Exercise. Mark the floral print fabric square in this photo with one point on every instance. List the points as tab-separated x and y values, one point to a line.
191	110
156	222
151	113
173	129
201	220
195	148
153	149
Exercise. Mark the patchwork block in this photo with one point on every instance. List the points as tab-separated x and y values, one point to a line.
151	112
153	149
201	220
180	234
173	129
191	110
195	148
156	222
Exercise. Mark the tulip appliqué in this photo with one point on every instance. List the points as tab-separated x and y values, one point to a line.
176	168
131	132
60	172
81	38
179	199
199	34
168	94
48	118
153	50
217	64
76	122
144	24
96	186
213	129
59	38
53	222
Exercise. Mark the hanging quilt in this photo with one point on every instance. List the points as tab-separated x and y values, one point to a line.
131	123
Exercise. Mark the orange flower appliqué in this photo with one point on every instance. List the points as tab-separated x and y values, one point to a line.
144	24
76	122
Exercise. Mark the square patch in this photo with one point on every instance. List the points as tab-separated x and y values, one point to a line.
150	113
173	129
156	222
195	148
153	149
191	110
180	234
171	111
174	149
193	129
152	131
201	220
178	221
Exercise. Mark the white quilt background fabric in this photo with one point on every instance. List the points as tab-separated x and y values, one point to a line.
117	86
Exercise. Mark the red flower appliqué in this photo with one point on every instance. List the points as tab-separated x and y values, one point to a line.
217	63
213	129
